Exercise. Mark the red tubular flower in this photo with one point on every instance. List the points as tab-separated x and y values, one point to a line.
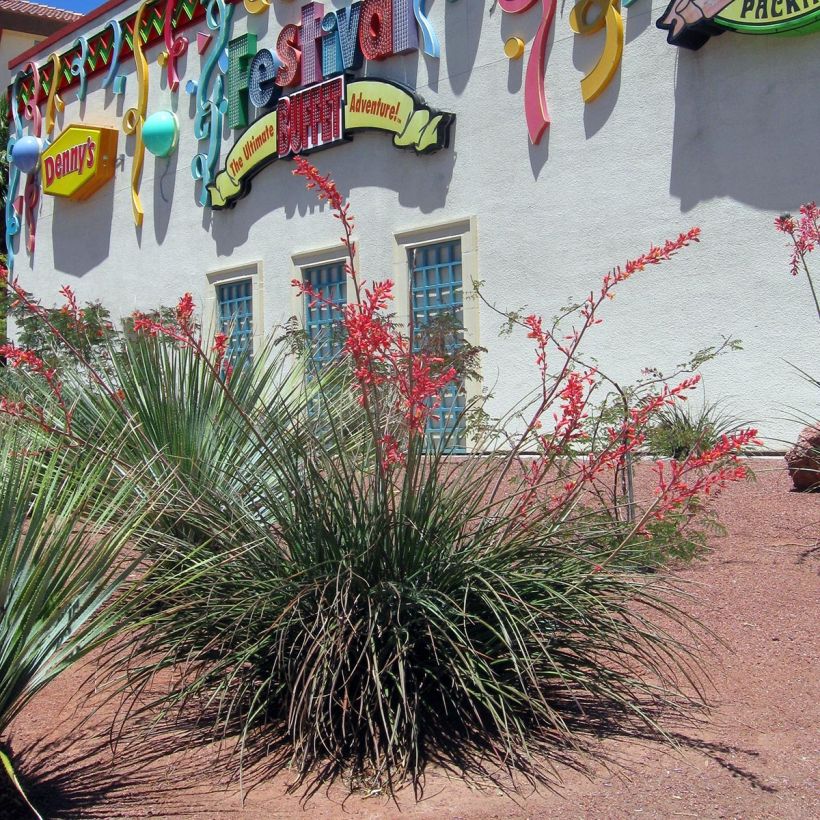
19	357
185	312
804	232
220	345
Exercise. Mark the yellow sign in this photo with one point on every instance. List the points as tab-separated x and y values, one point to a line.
383	106
79	162
323	115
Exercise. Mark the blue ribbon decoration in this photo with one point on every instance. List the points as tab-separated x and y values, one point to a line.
432	47
12	217
78	66
115	26
211	106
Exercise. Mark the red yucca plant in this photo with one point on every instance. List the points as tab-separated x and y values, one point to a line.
343	590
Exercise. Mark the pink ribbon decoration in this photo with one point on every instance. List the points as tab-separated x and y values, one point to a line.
175	47
535	93
31	194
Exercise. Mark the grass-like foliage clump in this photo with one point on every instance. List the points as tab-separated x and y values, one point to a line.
323	581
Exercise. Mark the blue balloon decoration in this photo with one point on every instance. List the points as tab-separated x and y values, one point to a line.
25	153
160	133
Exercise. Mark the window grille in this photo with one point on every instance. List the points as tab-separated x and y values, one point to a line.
235	306
437	290
322	322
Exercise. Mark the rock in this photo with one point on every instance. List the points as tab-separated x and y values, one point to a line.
803	461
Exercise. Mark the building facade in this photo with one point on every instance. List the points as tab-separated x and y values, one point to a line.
525	145
23	25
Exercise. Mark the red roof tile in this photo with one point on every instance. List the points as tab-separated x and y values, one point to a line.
38	10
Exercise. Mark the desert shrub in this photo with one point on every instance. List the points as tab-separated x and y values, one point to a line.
325	582
680	430
65	518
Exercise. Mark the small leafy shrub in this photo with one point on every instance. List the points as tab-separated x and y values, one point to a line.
680	430
322	582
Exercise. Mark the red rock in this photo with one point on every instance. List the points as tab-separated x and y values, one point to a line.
803	461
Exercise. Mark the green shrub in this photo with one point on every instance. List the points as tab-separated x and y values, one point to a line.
322	580
681	430
64	520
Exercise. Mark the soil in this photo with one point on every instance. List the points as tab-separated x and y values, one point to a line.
757	754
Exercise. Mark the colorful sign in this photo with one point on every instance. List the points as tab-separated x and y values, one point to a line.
324	115
79	162
691	23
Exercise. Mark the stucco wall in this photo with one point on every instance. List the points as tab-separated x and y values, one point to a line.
13	43
724	138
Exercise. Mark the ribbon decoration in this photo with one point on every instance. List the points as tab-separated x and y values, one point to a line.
55	101
535	95
78	66
211	109
31	196
134	118
432	47
609	15
12	206
175	47
116	29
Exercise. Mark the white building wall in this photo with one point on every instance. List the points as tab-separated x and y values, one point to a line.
13	43
724	138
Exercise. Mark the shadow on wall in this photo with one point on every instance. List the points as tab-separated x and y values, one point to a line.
81	232
747	116
370	160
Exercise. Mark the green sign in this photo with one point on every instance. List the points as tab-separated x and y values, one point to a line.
690	23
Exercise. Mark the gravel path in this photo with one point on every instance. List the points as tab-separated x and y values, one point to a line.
757	755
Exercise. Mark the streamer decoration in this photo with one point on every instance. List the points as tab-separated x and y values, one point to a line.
12	205
535	94
134	118
175	47
78	66
103	48
431	44
609	15
256	6
211	104
114	63
31	197
55	101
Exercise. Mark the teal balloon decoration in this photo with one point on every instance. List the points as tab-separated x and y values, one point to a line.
25	153
160	133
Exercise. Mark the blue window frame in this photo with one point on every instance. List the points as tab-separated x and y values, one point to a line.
437	289
235	306
322	322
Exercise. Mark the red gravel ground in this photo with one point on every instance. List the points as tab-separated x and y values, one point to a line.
756	756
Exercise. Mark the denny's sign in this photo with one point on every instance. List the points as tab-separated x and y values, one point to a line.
322	116
79	162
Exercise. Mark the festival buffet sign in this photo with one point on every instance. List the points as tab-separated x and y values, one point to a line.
325	115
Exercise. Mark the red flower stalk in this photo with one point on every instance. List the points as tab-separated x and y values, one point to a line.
378	352
805	235
185	312
17	357
804	232
220	345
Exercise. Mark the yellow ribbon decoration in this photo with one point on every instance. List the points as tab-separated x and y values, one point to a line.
597	80
54	99
256	6
135	117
